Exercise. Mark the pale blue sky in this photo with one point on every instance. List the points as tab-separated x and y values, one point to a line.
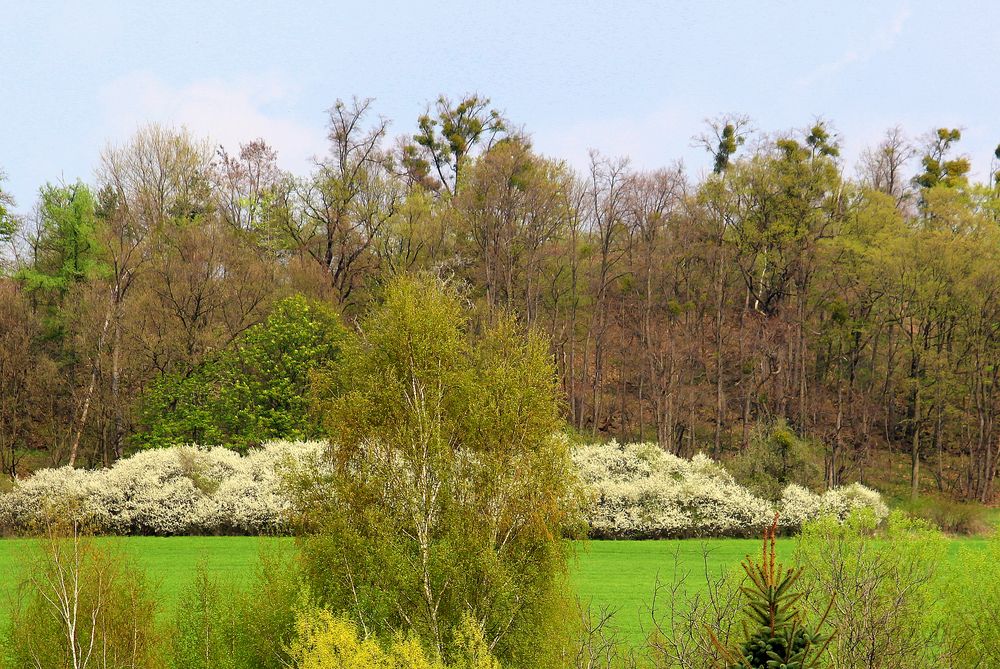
633	78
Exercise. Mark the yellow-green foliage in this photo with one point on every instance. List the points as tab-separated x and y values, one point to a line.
972	606
884	583
449	491
327	641
82	604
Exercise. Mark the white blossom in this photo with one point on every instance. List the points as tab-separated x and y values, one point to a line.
635	491
640	491
177	490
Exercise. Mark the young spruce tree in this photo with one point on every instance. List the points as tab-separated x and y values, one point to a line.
781	639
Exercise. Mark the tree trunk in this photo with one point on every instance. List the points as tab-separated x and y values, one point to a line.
85	408
915	445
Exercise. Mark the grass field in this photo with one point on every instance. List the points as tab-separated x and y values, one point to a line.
617	574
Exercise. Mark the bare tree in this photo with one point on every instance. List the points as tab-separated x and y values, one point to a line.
883	167
608	186
83	606
346	205
512	206
247	185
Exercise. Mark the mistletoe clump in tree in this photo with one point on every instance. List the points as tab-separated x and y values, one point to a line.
782	639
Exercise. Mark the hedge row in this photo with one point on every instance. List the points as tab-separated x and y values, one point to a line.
632	491
176	490
641	491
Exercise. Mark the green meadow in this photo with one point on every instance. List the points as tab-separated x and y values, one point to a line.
618	575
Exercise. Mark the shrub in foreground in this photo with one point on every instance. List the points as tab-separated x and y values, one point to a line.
449	494
208	627
781	636
694	614
327	641
972	596
885	583
234	625
81	605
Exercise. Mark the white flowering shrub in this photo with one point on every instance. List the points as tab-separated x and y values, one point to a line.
641	491
152	492
634	491
65	492
254	500
799	505
841	501
177	490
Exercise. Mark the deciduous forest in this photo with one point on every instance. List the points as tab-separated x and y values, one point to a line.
188	293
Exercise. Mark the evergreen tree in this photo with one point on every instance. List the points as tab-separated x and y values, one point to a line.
780	640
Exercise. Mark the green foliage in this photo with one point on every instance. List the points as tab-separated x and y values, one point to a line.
885	584
207	626
821	142
448	136
253	390
8	223
953	517
775	458
781	637
67	249
224	626
729	141
452	492
780	204
82	603
268	610
938	170
972	607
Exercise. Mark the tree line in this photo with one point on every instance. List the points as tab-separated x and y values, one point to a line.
855	303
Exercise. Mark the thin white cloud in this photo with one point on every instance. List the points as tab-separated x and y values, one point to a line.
880	41
226	112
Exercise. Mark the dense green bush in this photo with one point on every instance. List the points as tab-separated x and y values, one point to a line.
775	458
451	492
327	641
953	517
252	391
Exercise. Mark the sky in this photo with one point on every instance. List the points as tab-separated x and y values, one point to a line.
633	79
